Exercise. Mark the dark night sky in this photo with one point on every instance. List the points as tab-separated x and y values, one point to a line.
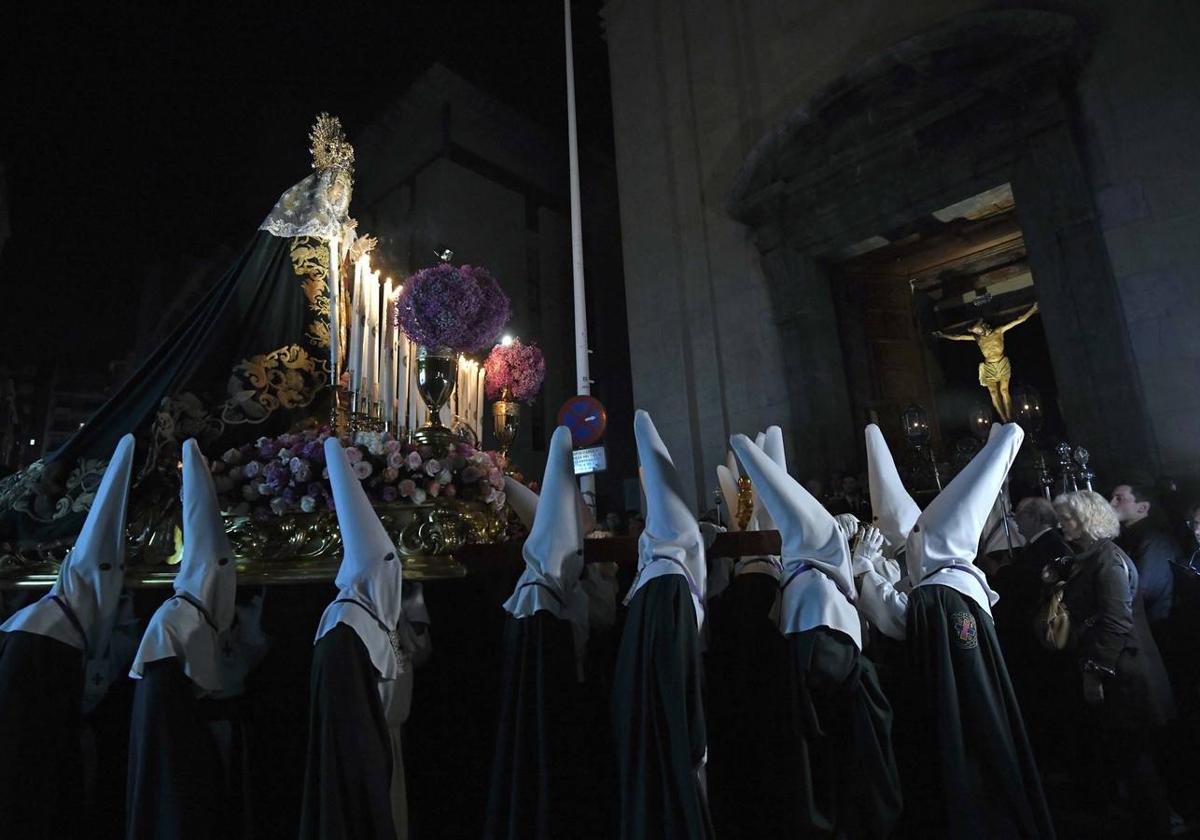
132	137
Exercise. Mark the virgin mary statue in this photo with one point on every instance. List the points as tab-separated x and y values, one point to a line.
252	358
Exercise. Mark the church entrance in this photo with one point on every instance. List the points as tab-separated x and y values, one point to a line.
882	213
944	273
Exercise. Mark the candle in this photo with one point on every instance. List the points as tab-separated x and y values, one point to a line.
479	401
408	366
354	363
388	355
371	362
334	250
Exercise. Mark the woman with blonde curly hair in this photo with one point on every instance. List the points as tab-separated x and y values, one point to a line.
1124	684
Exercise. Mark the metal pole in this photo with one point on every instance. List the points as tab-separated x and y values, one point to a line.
583	382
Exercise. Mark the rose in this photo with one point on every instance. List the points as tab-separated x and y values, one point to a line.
232	456
267	448
390	494
277	476
433	489
500	499
470	475
390	475
236	473
392	447
413	461
353	454
285	455
252	469
395	461
418	496
432	467
407	486
451	491
362	469
496	478
278	506
308	504
303	472
444	477
264	489
250	493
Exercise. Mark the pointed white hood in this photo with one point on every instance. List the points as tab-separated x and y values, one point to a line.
671	542
369	580
187	626
944	541
894	510
727	479
818	584
81	608
521	499
554	549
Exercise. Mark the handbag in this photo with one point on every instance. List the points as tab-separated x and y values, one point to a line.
1052	621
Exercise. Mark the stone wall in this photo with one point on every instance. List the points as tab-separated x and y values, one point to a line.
697	85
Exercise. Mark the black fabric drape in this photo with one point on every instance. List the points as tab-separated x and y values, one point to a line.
540	784
658	716
177	787
258	306
839	779
966	763
41	769
349	770
744	710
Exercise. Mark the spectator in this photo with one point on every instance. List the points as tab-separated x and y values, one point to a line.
1150	549
852	500
1125	687
816	488
1192	558
1044	689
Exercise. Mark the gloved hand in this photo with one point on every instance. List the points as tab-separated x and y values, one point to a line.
848	524
868	549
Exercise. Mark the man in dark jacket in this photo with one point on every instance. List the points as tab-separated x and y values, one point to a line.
1150	549
1041	679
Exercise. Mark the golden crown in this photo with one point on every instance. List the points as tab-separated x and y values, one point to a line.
330	148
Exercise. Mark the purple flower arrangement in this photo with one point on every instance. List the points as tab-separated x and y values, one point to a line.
287	474
519	368
462	308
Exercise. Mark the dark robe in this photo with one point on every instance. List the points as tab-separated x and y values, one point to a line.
541	781
744	709
966	765
840	778
177	784
658	716
41	769
347	781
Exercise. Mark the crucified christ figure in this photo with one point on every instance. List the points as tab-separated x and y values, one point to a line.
995	371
